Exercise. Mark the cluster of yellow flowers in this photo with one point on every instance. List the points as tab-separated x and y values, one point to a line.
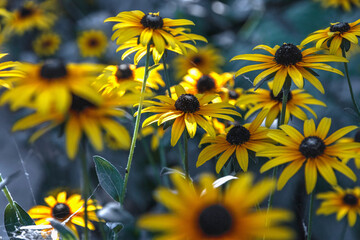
87	100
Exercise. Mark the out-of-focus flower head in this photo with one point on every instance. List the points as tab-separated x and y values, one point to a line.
345	4
49	86
92	43
127	77
47	44
202	211
29	16
197	82
84	118
342	202
206	59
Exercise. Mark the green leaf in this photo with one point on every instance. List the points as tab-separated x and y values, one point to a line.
13	221
64	231
109	177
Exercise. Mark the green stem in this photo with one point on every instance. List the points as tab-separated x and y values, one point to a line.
310	215
343	232
85	187
349	83
10	199
186	155
137	124
167	78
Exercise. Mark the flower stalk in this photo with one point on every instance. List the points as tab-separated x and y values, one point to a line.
85	187
310	215
167	78
349	83
137	124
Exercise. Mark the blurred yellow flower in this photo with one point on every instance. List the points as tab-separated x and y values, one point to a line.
92	43
46	44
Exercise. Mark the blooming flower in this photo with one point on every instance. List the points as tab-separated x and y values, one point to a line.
338	35
341	201
291	61
318	152
188	111
46	44
92	43
205	212
65	209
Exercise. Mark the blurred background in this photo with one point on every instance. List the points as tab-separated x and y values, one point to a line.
233	27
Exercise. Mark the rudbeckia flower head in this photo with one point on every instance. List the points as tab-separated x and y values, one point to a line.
67	209
340	35
238	139
148	28
51	84
318	152
92	43
127	77
342	202
187	110
201	211
288	61
29	16
297	100
206	59
197	82
46	44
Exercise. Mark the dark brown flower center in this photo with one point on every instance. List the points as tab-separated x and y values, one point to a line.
152	21
205	84
93	42
312	147
52	69
288	54
233	94
197	60
350	199
46	43
238	135
279	97
26	12
340	27
61	211
357	136
79	104
123	72
215	221
187	103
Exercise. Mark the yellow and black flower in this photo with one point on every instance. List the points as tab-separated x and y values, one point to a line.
206	59
149	27
339	35
205	212
47	44
264	99
238	139
92	43
291	61
188	111
341	201
65	208
345	4
318	152
51	84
